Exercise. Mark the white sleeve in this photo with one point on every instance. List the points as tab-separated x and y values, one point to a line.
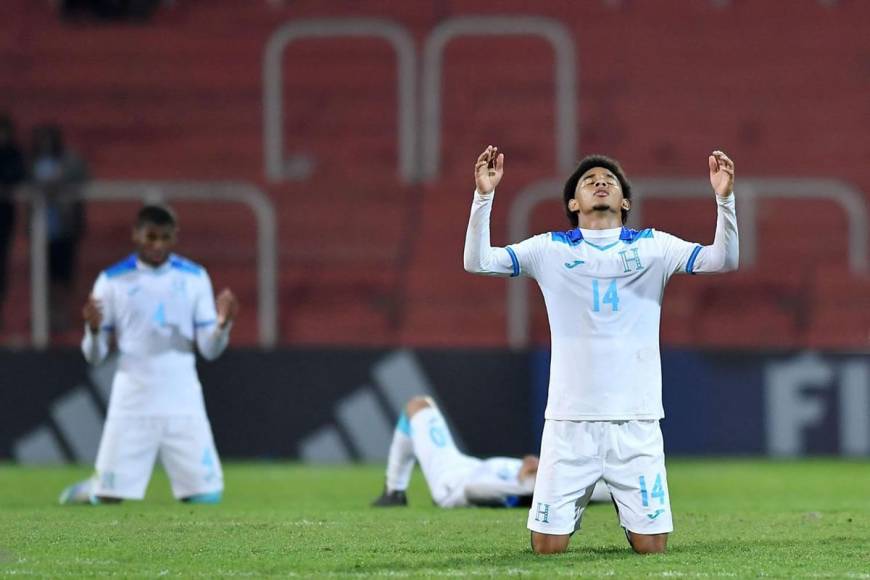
495	492
210	339
481	258
721	256
95	345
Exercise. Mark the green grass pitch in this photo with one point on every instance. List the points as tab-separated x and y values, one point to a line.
733	518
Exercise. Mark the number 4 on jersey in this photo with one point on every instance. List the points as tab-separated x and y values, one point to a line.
611	296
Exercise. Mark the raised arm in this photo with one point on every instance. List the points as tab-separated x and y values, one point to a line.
213	324
724	254
95	344
99	322
479	257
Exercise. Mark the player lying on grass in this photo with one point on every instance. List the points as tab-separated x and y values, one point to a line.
454	479
157	307
603	285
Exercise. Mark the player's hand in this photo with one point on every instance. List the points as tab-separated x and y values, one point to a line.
227	307
721	173
488	170
92	312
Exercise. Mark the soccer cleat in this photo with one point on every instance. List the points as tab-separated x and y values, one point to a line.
77	493
395	498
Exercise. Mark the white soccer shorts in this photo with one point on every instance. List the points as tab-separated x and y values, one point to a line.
627	455
130	445
445	468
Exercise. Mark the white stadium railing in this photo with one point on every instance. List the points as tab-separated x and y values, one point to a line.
566	101
278	168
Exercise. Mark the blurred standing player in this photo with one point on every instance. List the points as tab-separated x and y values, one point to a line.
603	286
156	305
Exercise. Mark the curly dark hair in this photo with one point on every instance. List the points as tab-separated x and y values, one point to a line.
157	215
585	165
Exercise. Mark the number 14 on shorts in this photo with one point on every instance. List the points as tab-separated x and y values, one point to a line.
658	491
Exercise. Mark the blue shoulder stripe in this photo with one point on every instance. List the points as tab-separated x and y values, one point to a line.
185	265
690	265
128	264
571	237
514	262
630	236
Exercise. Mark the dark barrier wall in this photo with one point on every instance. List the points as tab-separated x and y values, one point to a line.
337	405
749	403
314	405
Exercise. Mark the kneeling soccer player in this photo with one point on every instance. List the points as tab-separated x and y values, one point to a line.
455	479
155	305
603	286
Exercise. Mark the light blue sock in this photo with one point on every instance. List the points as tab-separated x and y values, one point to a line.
214	497
400	461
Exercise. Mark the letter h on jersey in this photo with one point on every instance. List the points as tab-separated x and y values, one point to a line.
629	260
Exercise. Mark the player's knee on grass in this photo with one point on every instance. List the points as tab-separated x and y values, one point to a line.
417	404
648	543
549	543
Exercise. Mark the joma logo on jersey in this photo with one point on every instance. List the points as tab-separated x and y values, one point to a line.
630	260
543	513
574	264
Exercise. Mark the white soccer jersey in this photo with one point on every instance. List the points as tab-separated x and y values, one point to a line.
603	291
156	315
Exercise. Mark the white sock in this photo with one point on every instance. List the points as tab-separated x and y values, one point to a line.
400	463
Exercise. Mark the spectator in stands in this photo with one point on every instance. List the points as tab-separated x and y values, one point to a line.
108	10
59	175
12	173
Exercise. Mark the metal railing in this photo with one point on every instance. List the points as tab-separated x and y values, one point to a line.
277	167
151	191
749	191
565	82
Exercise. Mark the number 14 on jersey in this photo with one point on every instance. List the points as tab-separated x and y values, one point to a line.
611	296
